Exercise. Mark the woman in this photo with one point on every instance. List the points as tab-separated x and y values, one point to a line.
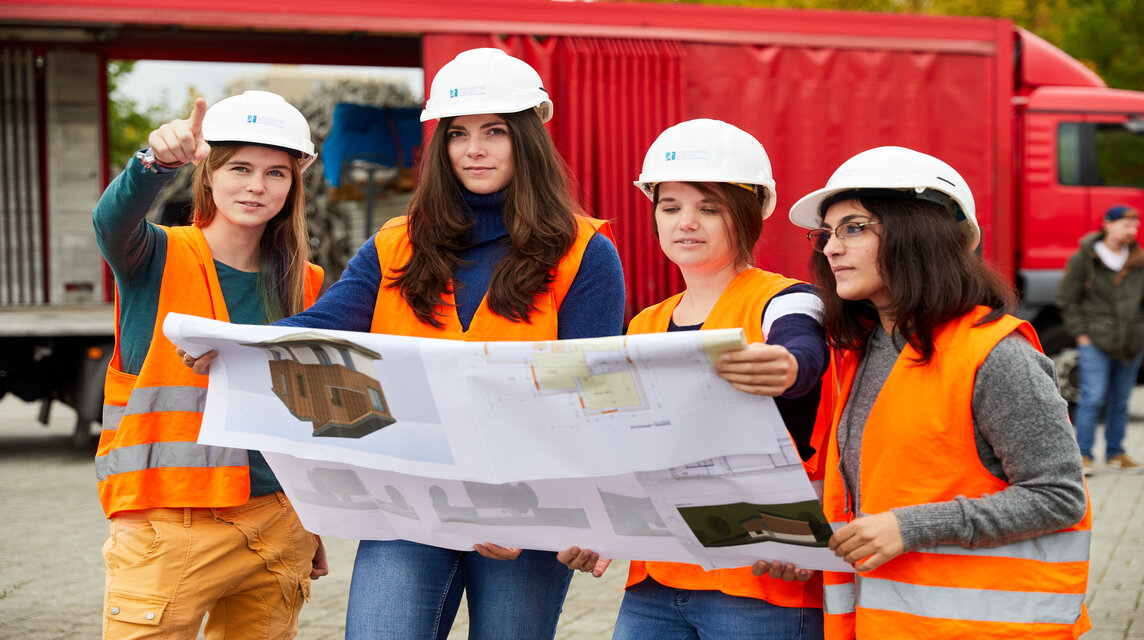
709	206
199	530
952	467
492	248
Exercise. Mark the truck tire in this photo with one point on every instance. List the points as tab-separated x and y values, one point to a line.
82	438
88	395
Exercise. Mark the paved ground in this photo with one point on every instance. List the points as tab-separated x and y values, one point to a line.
52	584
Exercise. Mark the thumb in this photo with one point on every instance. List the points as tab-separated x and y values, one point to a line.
601	567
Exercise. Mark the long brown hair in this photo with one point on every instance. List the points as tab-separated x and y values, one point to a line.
925	260
284	247
539	215
742	215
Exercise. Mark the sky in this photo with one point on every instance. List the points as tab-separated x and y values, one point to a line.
163	82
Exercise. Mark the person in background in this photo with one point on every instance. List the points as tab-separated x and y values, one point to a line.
951	472
492	248
1101	299
709	206
197	530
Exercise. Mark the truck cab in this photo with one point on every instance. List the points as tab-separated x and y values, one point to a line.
1081	152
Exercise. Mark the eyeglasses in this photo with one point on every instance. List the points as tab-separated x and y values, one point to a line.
848	234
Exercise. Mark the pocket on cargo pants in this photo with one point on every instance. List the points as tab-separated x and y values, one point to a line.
131	559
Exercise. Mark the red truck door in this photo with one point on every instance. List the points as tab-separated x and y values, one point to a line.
1056	204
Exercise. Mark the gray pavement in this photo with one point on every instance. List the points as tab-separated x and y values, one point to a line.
52	586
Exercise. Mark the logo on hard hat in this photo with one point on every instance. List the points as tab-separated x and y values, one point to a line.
697	154
265	120
475	90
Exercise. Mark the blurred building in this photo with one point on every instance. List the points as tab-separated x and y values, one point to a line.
293	82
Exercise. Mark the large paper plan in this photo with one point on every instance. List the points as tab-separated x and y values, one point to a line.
629	445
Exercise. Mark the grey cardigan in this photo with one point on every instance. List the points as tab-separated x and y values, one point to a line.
1023	436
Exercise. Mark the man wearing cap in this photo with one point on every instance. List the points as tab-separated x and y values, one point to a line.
1100	301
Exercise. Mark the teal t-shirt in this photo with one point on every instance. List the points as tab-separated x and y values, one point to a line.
244	304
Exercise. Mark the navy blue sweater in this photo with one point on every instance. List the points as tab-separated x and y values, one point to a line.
593	306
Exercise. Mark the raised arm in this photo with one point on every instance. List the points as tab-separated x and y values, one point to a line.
127	241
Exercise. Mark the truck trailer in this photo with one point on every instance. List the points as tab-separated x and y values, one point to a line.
1044	144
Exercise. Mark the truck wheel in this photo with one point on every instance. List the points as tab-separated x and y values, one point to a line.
81	438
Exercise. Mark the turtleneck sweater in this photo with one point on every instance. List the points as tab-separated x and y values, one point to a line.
590	309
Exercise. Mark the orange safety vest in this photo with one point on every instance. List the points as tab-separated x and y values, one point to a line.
393	315
148	454
922	421
740	305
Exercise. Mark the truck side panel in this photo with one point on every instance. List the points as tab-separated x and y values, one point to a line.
74	96
811	107
21	235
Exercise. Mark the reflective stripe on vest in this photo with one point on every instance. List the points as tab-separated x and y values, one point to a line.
152	399
112	414
740	305
978	605
156	455
838	598
1062	546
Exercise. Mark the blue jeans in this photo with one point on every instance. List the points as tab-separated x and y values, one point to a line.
652	611
1104	383
408	591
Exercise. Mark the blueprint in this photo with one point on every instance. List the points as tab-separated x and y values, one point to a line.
630	446
637	516
491	412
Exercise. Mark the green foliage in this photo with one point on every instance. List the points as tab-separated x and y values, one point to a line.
128	122
1109	35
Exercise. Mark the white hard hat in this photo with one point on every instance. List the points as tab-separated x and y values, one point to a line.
706	150
260	117
896	168
486	81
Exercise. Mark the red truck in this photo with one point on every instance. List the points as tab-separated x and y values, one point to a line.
1044	144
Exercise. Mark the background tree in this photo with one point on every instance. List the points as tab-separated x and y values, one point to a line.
1109	36
128	121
